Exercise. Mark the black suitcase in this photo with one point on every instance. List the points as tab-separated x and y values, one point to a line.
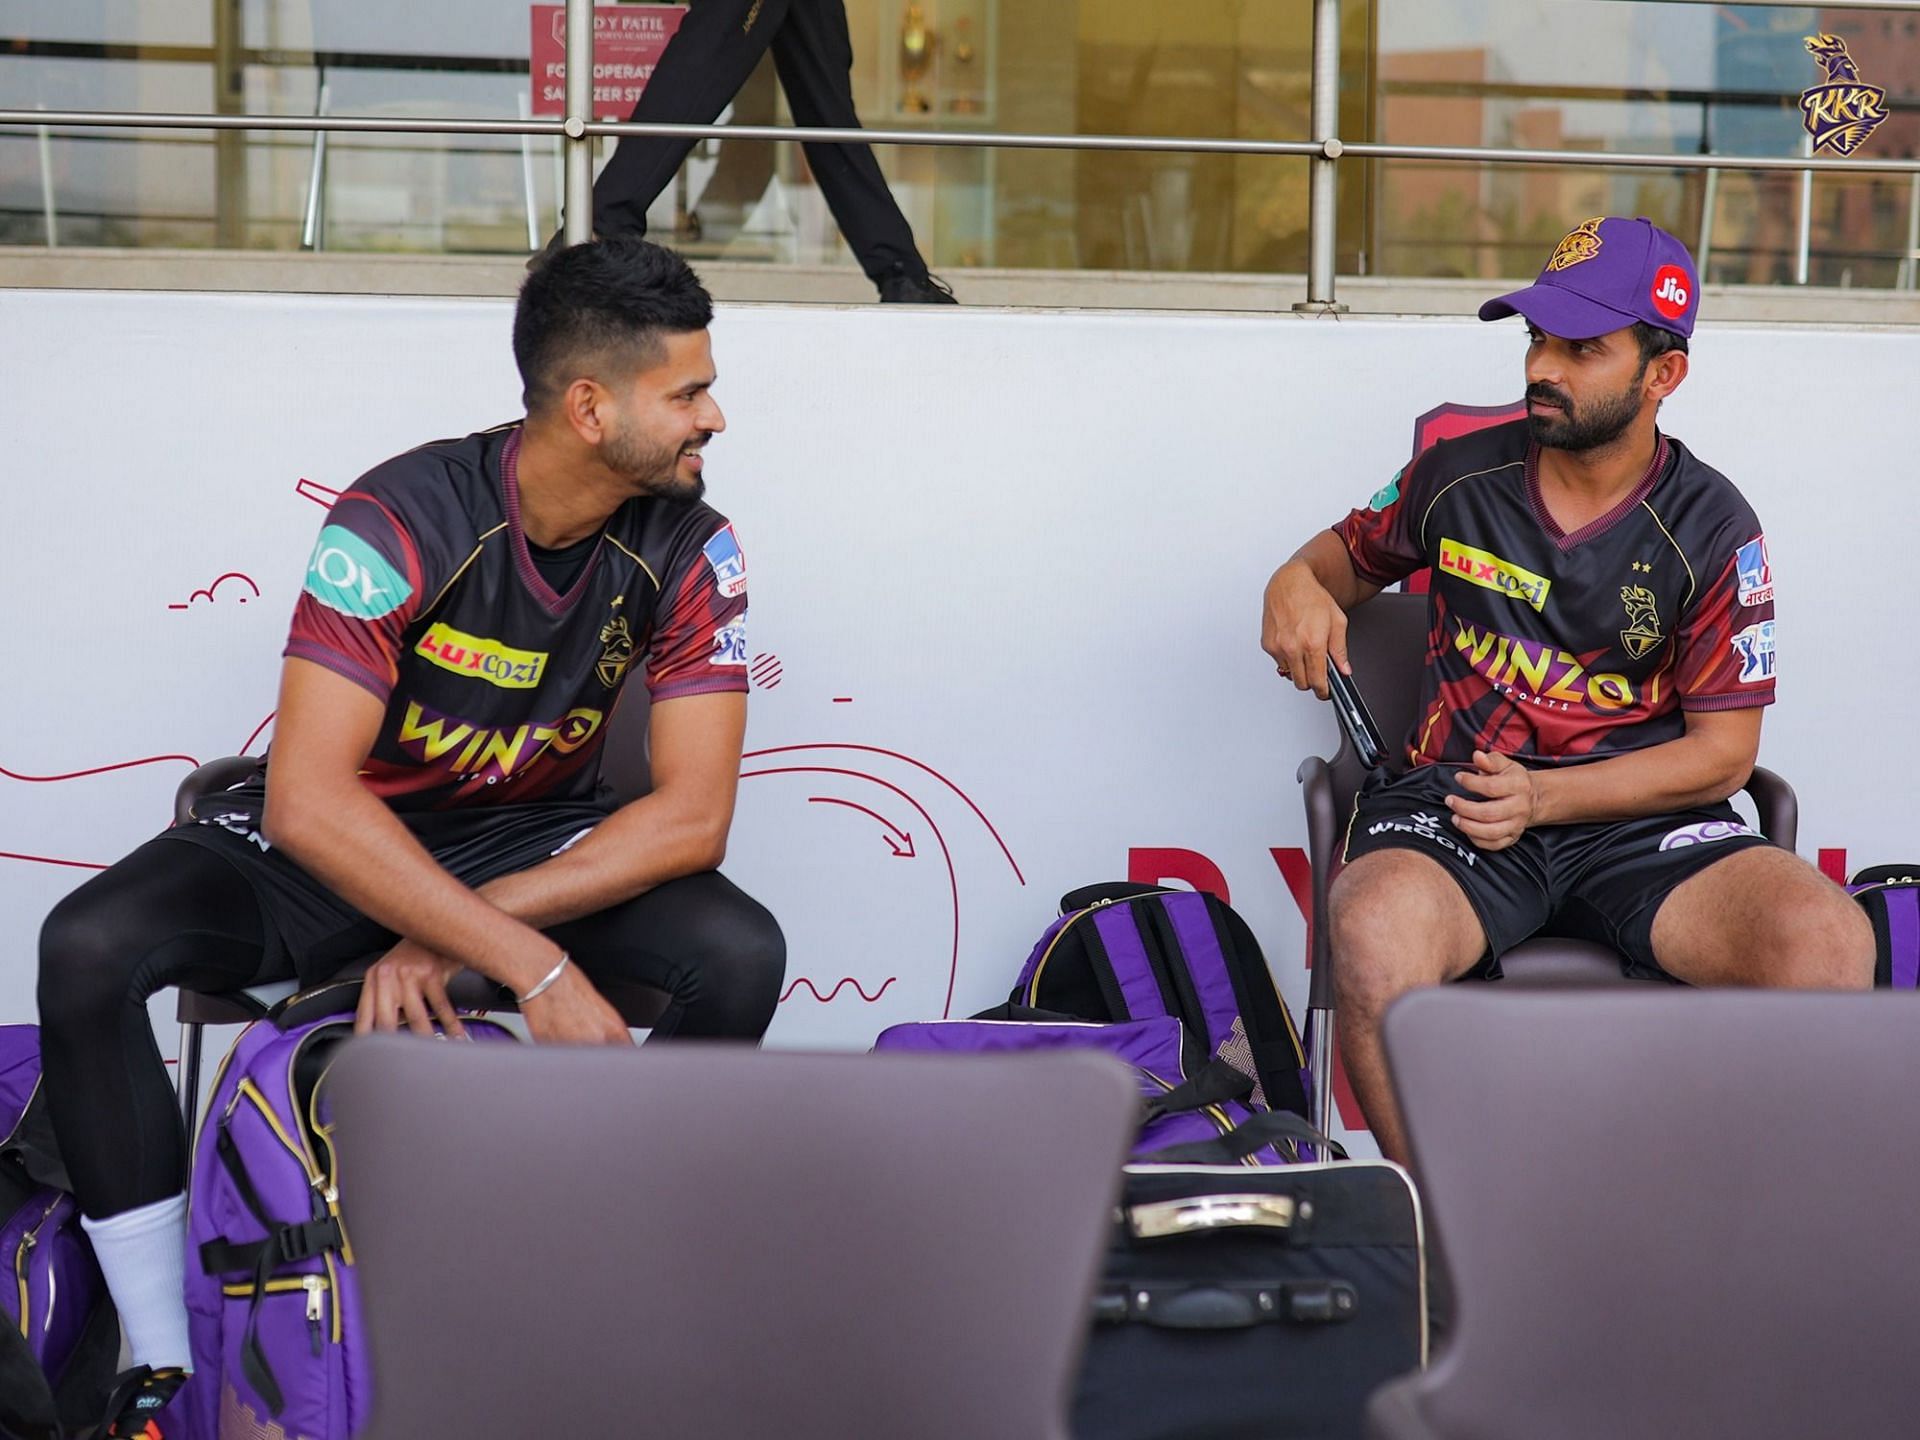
1253	1304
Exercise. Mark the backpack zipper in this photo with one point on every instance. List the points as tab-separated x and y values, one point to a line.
1040	966
23	1257
315	1287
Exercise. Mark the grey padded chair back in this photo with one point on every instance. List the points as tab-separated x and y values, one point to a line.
706	1240
1666	1212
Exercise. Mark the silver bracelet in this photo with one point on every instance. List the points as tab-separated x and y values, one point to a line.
552	975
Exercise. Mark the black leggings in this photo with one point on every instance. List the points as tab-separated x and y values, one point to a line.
175	914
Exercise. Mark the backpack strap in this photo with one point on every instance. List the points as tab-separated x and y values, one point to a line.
1271	1127
1218	1082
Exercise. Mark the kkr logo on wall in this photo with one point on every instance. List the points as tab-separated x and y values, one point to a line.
1843	112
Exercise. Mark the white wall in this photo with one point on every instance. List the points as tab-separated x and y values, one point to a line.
1009	564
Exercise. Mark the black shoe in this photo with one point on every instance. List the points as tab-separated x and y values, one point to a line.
906	287
137	1410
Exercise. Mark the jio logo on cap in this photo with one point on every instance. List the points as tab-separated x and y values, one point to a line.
1670	293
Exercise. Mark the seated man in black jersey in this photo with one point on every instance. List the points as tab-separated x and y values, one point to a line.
1602	623
471	613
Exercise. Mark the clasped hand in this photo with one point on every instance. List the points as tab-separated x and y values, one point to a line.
1508	798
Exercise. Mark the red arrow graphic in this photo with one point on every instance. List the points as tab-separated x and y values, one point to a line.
953	878
896	837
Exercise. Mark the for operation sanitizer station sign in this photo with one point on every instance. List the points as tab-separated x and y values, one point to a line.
627	41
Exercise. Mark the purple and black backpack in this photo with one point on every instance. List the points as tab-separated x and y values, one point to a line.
1890	894
272	1298
59	1333
1130	952
1206	1117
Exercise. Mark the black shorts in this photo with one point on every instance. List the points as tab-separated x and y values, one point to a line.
315	932
1602	882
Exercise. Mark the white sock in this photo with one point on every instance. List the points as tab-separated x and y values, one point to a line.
143	1253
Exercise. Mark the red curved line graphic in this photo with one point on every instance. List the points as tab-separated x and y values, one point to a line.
247	748
208	592
325	496
870	814
837	988
98	769
49	860
917	764
953	879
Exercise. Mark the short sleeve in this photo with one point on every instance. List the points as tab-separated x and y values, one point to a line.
700	632
1383	537
1726	637
362	589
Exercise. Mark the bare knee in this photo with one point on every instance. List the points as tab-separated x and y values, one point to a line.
1396	927
1820	942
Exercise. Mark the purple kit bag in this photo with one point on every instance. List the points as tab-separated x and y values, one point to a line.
1210	1109
59	1334
1890	894
1128	952
272	1297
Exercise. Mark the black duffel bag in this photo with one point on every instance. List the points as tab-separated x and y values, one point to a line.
1253	1303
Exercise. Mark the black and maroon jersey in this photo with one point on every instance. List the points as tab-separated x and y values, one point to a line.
1557	648
498	690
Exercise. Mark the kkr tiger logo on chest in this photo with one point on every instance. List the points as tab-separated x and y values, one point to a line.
443	740
1490	572
1540	674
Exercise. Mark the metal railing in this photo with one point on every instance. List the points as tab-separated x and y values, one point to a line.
577	130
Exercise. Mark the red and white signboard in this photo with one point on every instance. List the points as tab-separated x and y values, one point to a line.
627	41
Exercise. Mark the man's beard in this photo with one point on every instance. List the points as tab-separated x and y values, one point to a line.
1601	423
652	469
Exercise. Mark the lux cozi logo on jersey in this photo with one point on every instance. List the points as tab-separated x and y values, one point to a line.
485	659
468	749
1490	572
1540	674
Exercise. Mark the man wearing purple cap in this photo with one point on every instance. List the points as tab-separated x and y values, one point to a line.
1602	645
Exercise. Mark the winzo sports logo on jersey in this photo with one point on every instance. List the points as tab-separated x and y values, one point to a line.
1539	674
434	739
1427	827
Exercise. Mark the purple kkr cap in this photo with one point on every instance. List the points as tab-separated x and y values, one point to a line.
1606	274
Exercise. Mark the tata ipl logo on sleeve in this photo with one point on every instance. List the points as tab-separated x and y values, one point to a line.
1581	244
1754	646
1490	572
730	642
729	565
349	575
1844	111
1755	572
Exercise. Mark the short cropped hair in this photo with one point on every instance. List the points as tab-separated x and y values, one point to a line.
606	304
1655	342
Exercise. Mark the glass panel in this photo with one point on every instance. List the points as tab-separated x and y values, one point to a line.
1644	77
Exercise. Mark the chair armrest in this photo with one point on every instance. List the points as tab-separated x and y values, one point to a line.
210	779
1776	805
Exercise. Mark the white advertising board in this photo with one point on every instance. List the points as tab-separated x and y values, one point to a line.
1005	573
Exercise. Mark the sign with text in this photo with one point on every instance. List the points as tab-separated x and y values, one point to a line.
627	41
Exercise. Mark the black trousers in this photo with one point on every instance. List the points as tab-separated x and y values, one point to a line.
703	67
182	914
